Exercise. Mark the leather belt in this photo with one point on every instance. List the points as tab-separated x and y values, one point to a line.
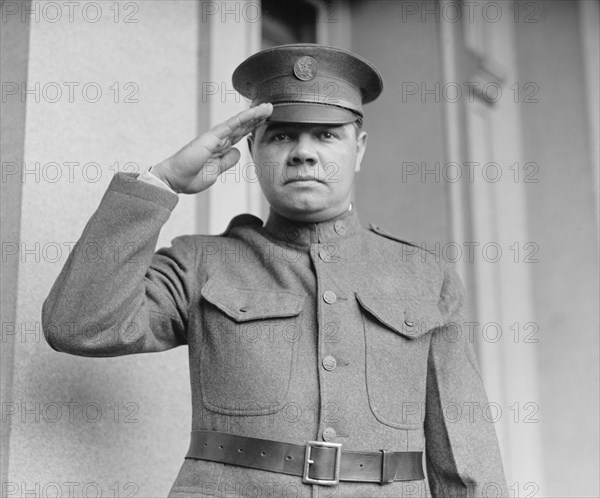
317	462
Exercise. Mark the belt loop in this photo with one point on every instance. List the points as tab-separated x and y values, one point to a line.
388	472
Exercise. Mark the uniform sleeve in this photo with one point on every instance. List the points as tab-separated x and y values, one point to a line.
462	453
115	296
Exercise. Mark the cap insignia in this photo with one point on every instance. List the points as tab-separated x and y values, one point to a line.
305	68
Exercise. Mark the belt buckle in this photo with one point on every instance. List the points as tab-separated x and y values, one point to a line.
308	462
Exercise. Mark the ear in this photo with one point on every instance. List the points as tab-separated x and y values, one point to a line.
361	146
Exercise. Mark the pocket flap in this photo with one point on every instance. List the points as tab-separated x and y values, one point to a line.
243	305
410	317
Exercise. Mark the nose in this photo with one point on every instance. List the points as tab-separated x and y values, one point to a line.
303	151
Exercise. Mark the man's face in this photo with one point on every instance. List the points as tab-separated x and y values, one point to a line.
306	171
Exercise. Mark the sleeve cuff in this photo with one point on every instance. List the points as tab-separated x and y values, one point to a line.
130	184
151	178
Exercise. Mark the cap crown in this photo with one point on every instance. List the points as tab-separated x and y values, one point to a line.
309	83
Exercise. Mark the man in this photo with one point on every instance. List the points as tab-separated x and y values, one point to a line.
360	337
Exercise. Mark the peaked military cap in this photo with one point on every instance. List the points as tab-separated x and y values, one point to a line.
309	83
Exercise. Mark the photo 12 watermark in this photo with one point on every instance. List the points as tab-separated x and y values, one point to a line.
89	252
470	11
489	332
71	411
69	489
475	412
66	171
453	92
53	12
54	92
490	251
470	172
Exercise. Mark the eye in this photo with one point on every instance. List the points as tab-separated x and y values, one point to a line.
280	137
327	135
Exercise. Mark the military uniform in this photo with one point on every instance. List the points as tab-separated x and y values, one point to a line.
296	332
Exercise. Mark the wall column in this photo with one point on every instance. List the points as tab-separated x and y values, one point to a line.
105	87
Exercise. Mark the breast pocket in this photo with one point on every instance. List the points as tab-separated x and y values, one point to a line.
249	348
396	348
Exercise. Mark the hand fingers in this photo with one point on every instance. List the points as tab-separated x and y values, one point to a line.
217	143
223	146
211	171
240	133
242	123
223	136
229	159
235	129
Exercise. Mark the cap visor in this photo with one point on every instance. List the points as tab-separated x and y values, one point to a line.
311	113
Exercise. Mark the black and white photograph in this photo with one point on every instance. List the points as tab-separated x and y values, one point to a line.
360	239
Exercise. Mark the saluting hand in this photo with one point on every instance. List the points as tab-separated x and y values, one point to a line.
197	166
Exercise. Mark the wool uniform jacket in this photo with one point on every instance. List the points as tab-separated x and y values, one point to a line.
296	332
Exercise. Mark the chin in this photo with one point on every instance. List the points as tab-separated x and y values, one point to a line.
311	213
303	202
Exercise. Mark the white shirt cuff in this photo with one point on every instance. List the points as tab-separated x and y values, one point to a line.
151	178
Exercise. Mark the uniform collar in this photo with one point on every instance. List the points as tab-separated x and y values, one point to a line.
304	234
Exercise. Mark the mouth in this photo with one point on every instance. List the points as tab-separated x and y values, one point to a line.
302	179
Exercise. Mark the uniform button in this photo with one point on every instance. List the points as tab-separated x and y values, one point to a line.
324	255
329	363
339	227
409	323
329	434
329	297
293	234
